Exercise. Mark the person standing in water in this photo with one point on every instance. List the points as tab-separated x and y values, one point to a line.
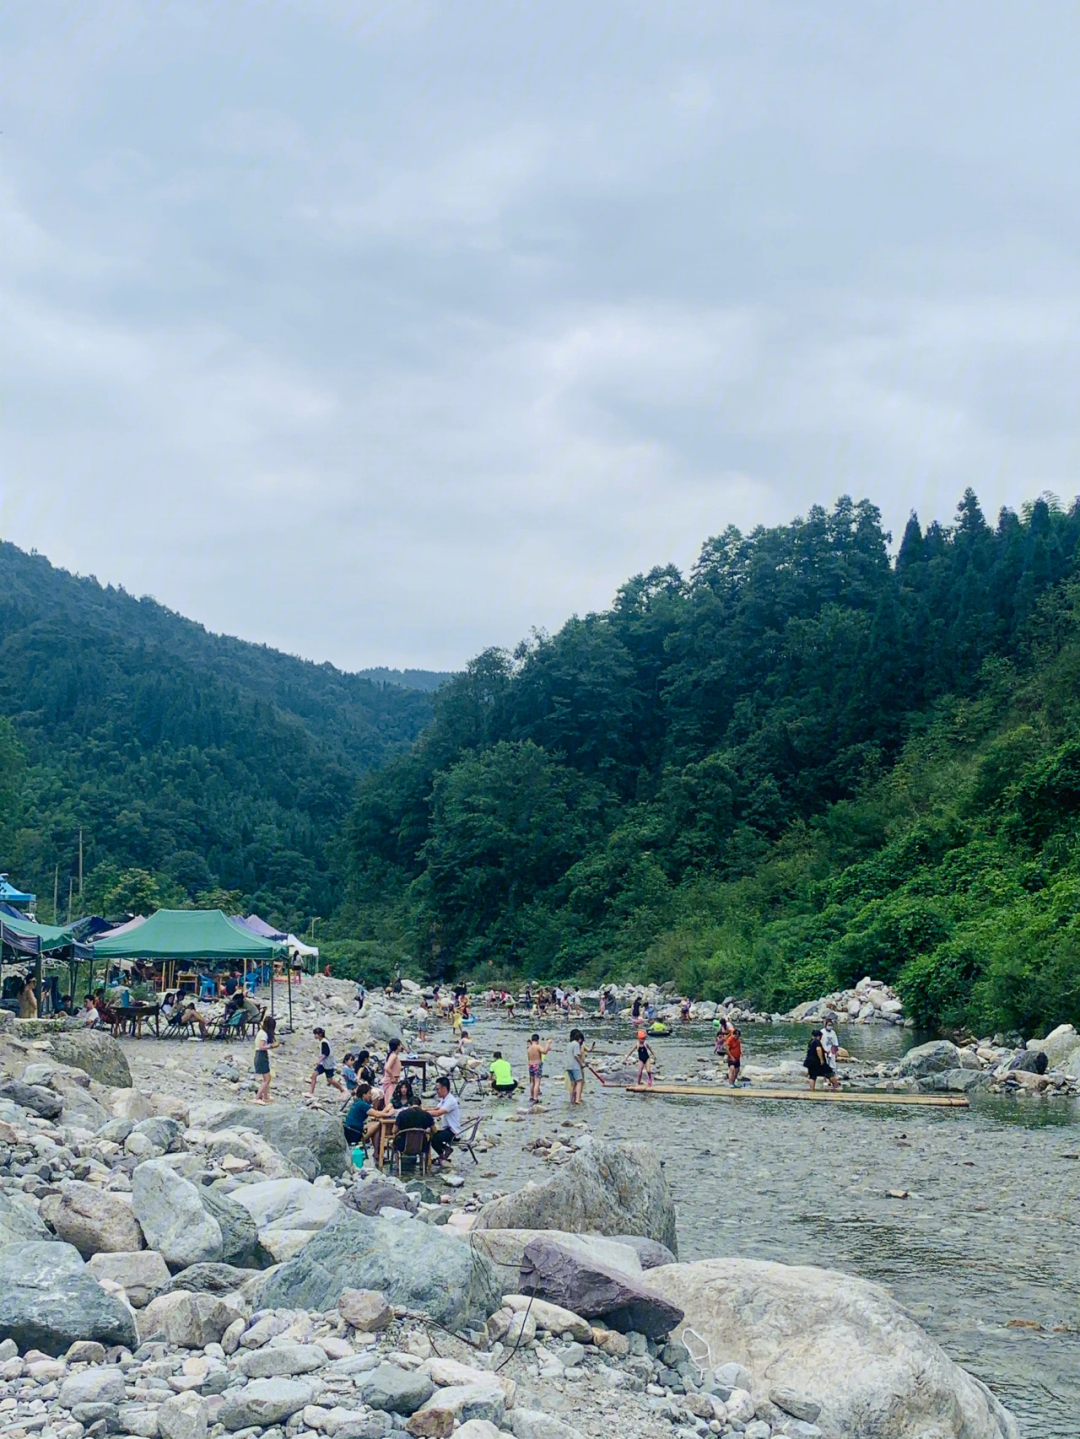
733	1049
817	1065
645	1057
830	1043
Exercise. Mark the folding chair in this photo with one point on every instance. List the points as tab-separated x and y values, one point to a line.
412	1144
467	1138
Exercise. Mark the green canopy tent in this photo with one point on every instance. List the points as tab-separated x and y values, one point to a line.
27	937
188	936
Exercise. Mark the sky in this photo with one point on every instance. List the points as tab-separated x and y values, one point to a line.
383	333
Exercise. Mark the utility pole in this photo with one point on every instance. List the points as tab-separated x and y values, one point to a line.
80	864
71	885
56	895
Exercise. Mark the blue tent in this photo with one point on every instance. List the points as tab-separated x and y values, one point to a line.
14	897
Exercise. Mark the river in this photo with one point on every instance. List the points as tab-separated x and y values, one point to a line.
983	1252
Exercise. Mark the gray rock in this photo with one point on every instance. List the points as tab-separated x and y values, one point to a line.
288	1204
104	1385
34	1098
399	1391
163	1133
307	1135
650	1252
184	1416
380	1027
83	1351
930	1058
115	1130
80	1111
95	1221
99	1055
472	1401
727	1377
1059	1045
534	1424
172	1216
49	1299
506	1249
210	1279
415	1265
284	1360
88	1414
239	1234
1028	1061
20	1221
955	1081
263	1402
142	1273
604	1189
561	1277
370	1196
793	1402
189	1320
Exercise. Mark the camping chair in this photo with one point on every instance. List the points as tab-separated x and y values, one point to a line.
467	1138
175	1028
412	1144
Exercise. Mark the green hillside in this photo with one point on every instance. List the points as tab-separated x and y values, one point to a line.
194	763
801	763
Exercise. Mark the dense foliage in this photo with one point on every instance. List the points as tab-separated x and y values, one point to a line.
801	763
198	767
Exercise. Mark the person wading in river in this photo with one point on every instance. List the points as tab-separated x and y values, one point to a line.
733	1049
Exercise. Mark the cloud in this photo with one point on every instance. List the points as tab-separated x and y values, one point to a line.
385	332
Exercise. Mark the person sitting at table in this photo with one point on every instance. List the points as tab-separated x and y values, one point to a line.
404	1093
356	1120
232	983
448	1112
91	1017
412	1117
188	1014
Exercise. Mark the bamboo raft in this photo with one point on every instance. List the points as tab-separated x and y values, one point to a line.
823	1096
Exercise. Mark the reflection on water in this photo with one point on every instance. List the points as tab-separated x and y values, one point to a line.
987	1236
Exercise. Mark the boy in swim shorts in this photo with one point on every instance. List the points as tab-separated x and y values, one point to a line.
534	1054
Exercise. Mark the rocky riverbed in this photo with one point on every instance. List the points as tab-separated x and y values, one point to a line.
964	1217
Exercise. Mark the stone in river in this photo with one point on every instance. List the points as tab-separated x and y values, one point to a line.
836	1341
930	1058
49	1299
561	1277
604	1189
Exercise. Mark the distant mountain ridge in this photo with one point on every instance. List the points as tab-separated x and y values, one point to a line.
408	679
205	762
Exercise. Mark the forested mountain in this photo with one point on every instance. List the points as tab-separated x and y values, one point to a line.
195	764
408	679
801	763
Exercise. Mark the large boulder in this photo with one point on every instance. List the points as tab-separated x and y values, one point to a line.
650	1252
506	1249
835	1342
142	1274
1059	1045
604	1189
239	1234
172	1216
34	1098
380	1028
211	1279
49	1299
190	1321
418	1266
930	1058
98	1054
287	1204
265	1402
95	1221
584	1287
20	1221
312	1141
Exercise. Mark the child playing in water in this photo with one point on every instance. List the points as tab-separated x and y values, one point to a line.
645	1057
534	1054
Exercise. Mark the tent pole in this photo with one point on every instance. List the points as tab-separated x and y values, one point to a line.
271	984
288	985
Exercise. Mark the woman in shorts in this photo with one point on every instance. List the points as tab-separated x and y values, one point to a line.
575	1065
264	1043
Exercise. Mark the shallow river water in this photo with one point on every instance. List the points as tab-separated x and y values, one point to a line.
983	1252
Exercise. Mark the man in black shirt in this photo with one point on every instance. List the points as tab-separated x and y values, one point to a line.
411	1117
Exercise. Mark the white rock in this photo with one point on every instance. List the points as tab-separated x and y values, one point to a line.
552	1317
840	1341
288	1204
142	1274
184	1416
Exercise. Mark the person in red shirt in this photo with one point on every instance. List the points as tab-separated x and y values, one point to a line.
733	1045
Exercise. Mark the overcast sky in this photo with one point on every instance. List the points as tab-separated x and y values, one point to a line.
384	332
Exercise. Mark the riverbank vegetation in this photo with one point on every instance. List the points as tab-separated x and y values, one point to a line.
801	763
